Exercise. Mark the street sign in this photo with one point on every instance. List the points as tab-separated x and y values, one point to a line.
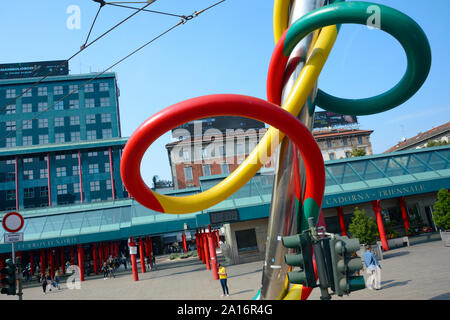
133	250
13	237
12	222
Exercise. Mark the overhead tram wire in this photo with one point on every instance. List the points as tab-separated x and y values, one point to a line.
181	22
82	48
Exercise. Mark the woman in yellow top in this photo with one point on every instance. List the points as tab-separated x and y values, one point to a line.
223	280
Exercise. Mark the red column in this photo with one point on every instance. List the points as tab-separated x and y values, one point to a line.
100	254
81	261
112	174
31	263
141	254
217	238
111	249
197	240
116	248
212	252
51	262
183	236
377	211
61	255
94	257
17	182
206	250
80	175
49	186
56	258
106	251
42	253
340	211
151	251
404	214
133	252
202	247
72	256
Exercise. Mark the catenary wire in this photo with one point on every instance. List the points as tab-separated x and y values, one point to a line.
181	22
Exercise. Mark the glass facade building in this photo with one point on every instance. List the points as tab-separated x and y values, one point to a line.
60	142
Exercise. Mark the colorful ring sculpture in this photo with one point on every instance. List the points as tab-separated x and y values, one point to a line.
210	106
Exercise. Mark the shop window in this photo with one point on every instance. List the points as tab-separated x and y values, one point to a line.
246	240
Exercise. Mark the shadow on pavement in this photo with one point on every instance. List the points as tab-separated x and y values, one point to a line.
444	296
243	291
394	254
241	274
396	284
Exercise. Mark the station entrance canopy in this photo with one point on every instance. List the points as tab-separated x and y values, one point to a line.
348	182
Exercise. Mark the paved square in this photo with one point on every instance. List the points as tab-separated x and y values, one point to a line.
419	272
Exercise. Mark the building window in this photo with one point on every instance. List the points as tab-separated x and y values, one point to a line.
59	105
348	154
106	117
28	174
91	134
225	168
92	154
75	170
360	141
10	142
59	122
331	154
42	106
10	194
90	119
329	144
27	140
188	173
61	188
61	172
74	120
345	141
104	102
95	185
107	133
44	191
60	157
43	123
186	155
10	93
27	124
43	173
89	103
75	136
222	150
246	240
11	109
42	91
73	87
10	125
107	167
10	176
108	185
58	90
74	104
27	107
43	138
93	168
104	86
28	193
76	188
27	93
89	87
207	170
27	160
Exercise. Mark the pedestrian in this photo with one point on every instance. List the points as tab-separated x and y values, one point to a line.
223	279
57	279
373	268
48	281
105	271
44	282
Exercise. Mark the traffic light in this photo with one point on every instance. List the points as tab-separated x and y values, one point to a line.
301	258
344	265
9	278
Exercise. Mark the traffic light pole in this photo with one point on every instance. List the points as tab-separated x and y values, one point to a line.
19	276
320	262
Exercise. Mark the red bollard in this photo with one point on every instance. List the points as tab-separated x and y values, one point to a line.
133	252
206	250
184	242
212	252
31	263
94	258
141	253
199	245
52	263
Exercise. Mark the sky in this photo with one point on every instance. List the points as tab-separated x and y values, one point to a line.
226	49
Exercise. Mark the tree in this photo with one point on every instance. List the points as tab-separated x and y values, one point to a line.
363	227
441	213
434	143
358	152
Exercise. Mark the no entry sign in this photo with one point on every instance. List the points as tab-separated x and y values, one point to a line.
12	222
